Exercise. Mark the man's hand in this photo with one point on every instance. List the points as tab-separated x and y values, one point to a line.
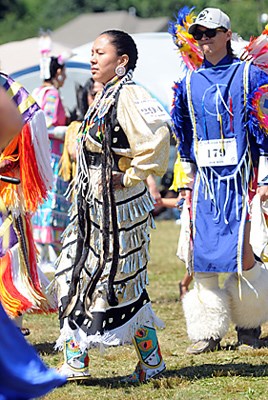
186	194
263	192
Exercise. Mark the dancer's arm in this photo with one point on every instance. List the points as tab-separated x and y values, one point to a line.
11	121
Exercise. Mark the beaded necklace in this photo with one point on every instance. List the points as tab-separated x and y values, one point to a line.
96	115
101	105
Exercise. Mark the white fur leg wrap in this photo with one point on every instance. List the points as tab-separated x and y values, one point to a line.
251	310
206	309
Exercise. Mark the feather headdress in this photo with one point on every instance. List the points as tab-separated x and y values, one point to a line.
187	45
257	50
45	45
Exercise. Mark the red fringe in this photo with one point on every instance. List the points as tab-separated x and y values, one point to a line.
34	189
11	299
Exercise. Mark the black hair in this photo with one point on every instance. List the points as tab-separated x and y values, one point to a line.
82	99
87	88
230	51
124	44
54	66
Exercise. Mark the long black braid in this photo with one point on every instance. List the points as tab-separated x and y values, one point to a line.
82	248
112	300
109	213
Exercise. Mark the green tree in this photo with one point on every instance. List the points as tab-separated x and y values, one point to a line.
21	19
7	6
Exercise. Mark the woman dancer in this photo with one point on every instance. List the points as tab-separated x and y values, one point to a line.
102	270
51	218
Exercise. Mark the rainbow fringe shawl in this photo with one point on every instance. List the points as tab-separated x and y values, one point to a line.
26	157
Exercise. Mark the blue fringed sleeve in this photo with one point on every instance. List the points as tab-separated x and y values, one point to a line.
181	121
184	168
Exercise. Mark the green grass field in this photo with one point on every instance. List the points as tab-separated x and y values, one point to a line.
226	374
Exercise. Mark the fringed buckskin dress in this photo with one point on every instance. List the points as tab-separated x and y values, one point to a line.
102	270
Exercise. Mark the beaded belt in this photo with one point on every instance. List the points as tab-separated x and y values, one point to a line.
94	160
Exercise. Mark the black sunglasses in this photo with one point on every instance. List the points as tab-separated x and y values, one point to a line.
210	33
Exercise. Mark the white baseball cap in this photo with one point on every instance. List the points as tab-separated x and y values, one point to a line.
211	18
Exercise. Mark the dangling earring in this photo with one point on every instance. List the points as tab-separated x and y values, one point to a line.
120	70
60	78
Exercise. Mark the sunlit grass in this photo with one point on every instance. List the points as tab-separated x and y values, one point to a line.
222	375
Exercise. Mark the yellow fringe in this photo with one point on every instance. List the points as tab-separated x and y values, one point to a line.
8	191
10	304
67	165
180	178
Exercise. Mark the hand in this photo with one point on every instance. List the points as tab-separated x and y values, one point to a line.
118	180
186	194
263	192
157	197
159	202
153	189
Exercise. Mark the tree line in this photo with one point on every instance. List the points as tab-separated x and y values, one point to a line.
21	19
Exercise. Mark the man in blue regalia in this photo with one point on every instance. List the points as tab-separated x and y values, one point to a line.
218	116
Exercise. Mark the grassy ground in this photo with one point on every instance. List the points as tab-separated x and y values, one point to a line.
222	375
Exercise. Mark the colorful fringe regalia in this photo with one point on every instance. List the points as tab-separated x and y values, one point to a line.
22	286
23	375
257	50
226	107
187	45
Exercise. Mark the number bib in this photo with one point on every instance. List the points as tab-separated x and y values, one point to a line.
217	152
152	111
